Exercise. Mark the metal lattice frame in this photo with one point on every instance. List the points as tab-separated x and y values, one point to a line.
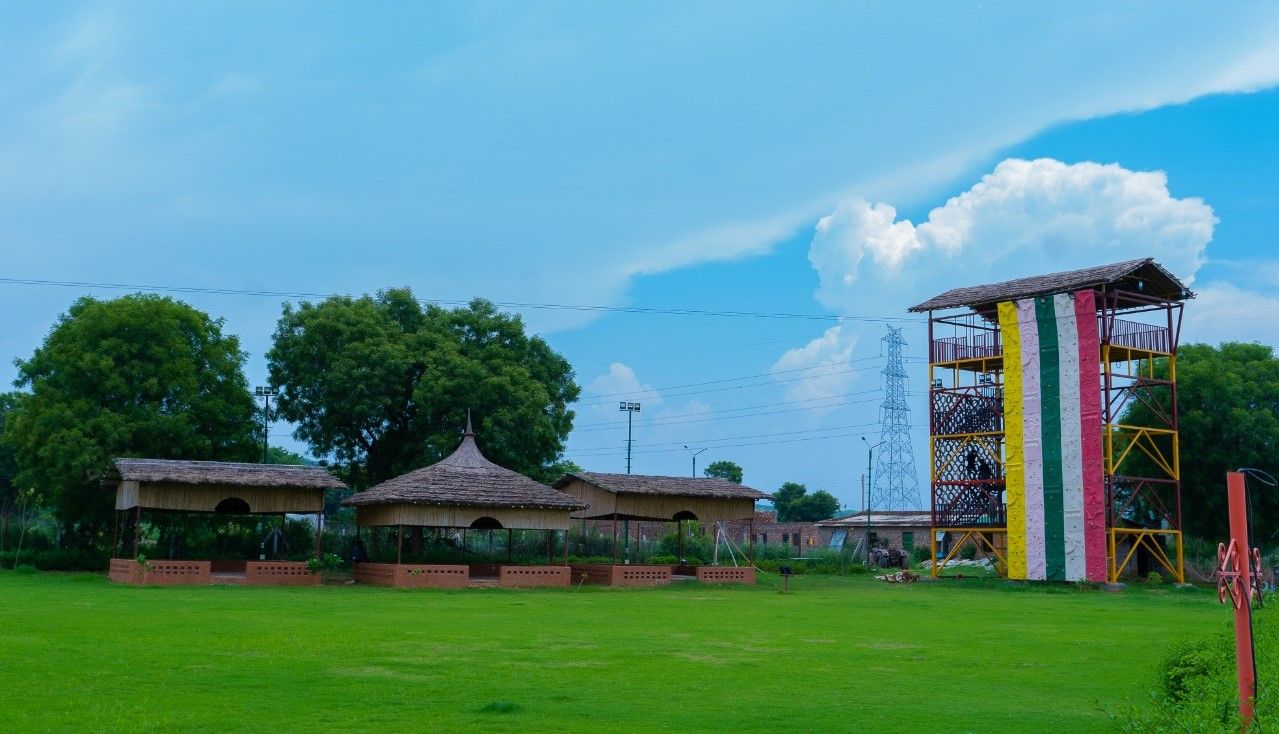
966	431
896	484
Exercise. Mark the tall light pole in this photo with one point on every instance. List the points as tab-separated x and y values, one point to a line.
266	393
630	409
694	453
870	488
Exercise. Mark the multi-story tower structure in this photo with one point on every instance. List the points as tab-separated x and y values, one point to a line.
1030	456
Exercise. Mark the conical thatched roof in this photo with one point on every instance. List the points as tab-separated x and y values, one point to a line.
465	478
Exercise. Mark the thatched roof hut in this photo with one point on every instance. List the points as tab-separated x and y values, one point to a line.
464	490
218	486
647	497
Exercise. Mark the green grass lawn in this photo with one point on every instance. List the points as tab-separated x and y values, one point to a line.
837	654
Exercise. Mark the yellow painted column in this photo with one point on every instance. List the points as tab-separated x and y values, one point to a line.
1015	462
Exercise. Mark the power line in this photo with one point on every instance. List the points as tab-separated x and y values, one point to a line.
739	445
589	308
726	438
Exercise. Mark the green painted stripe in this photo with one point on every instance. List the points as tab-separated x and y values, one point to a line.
1050	410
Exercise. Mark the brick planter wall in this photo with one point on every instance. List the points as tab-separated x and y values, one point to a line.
376	574
160	573
438	576
726	574
279	573
603	573
533	576
411	576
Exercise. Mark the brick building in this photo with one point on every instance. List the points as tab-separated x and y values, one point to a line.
900	529
803	536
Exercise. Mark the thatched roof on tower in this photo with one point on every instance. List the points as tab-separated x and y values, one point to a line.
466	479
1143	275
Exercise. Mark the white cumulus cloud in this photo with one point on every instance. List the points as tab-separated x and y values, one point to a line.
820	369
1024	217
620	382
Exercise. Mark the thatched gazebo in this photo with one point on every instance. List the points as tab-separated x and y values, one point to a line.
210	488
459	494
625	497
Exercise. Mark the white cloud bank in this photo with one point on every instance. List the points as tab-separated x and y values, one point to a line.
824	364
1024	217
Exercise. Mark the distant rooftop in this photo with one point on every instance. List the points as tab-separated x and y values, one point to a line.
662	485
1143	275
882	518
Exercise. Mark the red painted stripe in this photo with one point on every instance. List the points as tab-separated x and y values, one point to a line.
1090	410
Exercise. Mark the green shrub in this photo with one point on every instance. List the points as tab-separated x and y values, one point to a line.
1154	578
25	569
919	554
968	552
1196	688
58	559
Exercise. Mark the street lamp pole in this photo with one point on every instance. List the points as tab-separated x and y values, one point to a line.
870	487
266	393
630	409
694	453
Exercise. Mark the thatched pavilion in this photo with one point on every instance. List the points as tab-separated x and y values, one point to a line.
614	497
464	492
210	488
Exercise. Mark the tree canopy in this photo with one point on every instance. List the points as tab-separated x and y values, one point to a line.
1228	414
8	464
794	504
383	384
141	375
725	470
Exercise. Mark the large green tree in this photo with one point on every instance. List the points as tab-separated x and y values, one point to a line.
383	384
725	469
140	375
1228	415
794	503
8	466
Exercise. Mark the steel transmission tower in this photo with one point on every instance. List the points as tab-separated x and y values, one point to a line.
896	485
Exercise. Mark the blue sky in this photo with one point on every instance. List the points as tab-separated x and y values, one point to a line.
821	159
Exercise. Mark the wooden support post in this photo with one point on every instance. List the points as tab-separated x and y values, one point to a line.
319	522
399	542
614	539
137	533
679	536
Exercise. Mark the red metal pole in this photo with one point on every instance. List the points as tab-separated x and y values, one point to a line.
1245	666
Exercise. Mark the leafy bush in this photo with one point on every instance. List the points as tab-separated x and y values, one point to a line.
919	554
58	559
1154	578
968	552
1196	689
25	569
327	563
